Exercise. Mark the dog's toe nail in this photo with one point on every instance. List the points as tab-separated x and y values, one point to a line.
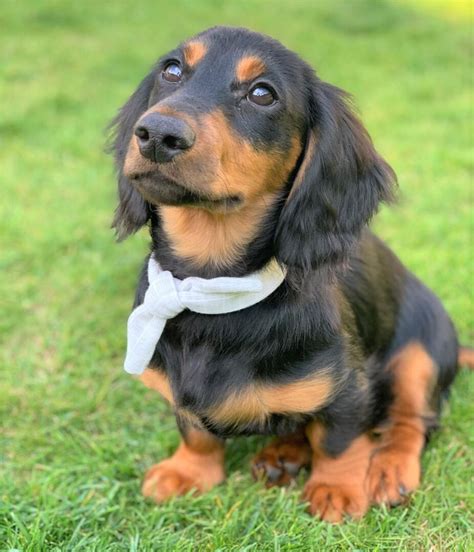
292	468
402	490
258	470
273	473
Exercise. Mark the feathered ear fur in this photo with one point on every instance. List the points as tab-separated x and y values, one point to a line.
132	211
338	187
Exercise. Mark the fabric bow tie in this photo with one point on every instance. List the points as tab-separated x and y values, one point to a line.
167	296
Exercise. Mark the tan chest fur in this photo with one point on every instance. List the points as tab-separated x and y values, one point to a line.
256	402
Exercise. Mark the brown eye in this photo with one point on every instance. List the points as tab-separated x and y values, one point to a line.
172	72
261	95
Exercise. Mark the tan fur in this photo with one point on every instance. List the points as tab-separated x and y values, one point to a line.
395	468
135	163
466	357
194	51
234	168
219	165
284	456
249	68
189	418
257	402
336	486
202	442
315	432
310	152
158	381
215	238
413	370
197	464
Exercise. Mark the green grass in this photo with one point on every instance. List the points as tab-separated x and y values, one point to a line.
77	432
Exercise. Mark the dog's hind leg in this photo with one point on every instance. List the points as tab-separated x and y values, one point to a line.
395	469
337	484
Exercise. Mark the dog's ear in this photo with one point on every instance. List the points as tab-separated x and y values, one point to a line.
338	186
132	211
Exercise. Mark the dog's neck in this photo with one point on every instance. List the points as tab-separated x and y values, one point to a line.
194	242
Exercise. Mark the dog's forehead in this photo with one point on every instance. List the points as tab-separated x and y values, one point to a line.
222	63
237	53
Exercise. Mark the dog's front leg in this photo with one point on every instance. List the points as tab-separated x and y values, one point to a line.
197	464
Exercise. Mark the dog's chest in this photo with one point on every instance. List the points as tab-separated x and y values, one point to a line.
231	400
223	373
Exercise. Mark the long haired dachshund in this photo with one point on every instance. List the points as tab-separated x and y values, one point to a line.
235	154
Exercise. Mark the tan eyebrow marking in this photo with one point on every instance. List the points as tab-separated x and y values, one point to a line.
194	51
249	68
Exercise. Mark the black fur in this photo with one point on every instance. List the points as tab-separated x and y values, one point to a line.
354	318
132	211
342	187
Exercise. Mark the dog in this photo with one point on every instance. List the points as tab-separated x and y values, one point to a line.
237	156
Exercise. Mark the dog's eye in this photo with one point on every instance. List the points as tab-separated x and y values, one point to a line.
172	72
261	95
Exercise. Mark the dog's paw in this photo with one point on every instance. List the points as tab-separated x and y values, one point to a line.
279	462
163	481
332	502
172	478
392	476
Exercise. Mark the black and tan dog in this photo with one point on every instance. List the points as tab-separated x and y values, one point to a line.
234	153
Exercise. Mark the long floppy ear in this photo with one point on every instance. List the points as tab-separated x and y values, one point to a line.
339	184
132	211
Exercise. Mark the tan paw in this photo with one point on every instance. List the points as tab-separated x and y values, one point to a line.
392	476
280	461
332	502
162	482
185	471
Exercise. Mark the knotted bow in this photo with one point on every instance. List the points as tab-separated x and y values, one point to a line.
167	296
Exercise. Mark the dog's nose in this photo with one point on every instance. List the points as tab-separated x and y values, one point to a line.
160	137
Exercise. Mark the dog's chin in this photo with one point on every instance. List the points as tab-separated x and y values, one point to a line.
159	190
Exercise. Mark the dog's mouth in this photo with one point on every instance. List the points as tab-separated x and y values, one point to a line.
158	189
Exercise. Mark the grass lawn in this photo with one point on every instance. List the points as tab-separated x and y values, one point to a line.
77	432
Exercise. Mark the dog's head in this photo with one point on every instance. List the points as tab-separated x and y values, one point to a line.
232	117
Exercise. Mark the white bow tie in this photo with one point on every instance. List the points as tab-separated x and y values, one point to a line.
167	296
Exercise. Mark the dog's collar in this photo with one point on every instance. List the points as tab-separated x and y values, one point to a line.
167	296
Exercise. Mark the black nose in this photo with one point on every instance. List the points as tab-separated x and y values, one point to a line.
160	138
